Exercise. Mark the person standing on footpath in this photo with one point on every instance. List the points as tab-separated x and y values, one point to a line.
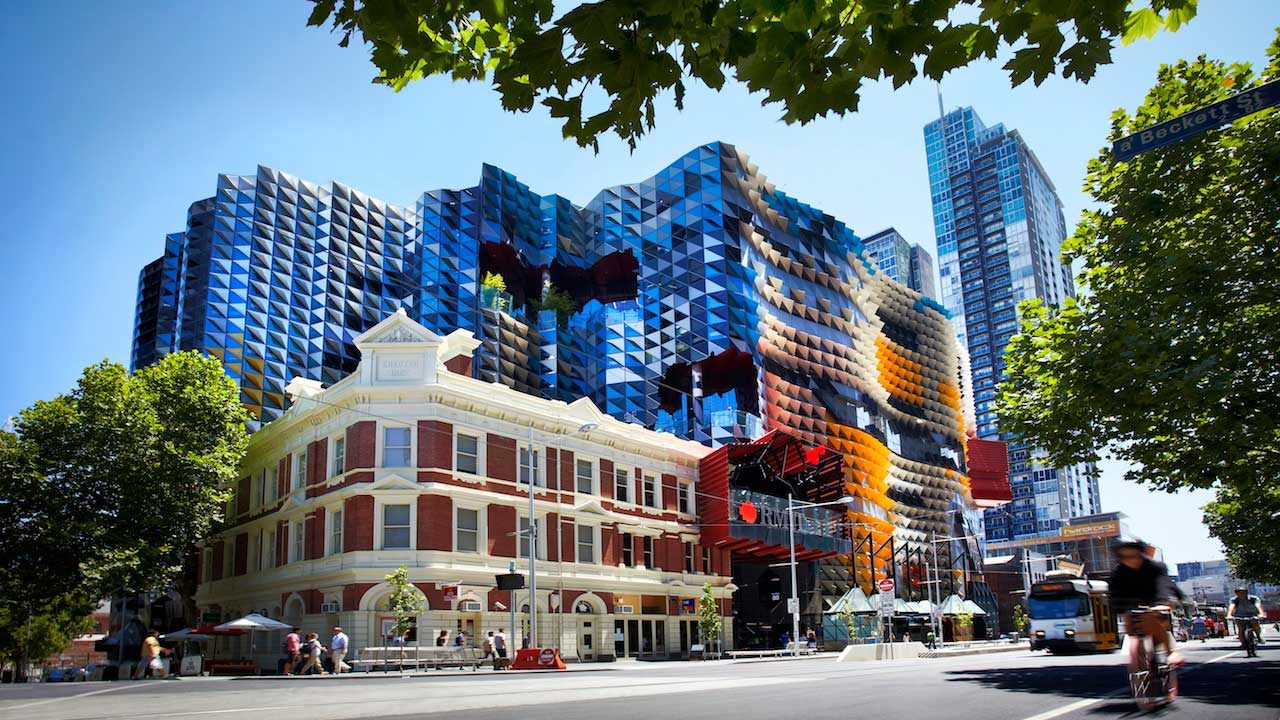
292	654
500	643
442	639
460	640
488	646
338	651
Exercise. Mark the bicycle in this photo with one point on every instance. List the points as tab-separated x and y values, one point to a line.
1153	681
1248	637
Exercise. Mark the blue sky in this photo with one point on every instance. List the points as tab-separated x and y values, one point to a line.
119	115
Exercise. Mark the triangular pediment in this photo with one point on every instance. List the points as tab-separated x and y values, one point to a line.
397	329
393	482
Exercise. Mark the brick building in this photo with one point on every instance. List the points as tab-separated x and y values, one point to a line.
410	461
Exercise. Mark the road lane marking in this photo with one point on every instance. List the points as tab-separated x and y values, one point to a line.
69	697
1089	702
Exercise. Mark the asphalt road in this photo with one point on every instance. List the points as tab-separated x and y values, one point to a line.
1218	683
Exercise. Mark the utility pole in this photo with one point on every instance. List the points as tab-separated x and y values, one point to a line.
533	548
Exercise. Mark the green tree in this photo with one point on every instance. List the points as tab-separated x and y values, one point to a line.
556	299
709	619
1168	358
405	604
600	66
108	486
1019	619
30	633
494	286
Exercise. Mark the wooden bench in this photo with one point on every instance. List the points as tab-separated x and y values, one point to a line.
411	656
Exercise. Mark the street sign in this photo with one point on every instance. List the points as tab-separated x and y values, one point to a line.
885	586
887	598
793	605
1198	121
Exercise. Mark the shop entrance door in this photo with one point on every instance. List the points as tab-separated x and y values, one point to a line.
640	638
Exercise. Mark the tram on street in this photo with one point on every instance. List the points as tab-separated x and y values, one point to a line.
1072	614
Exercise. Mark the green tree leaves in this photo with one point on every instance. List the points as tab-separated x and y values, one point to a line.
709	619
1169	356
601	67
109	485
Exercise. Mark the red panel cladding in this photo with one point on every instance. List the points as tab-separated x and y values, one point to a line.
713	496
606	478
282	476
568	532
670	499
567	471
314	540
989	472
357	522
317	462
352	593
435	522
243	492
501	525
435	444
241	560
610	551
362	445
218	563
500	463
552	469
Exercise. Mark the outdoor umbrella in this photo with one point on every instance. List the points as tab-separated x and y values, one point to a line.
253	622
973	608
953	605
188	634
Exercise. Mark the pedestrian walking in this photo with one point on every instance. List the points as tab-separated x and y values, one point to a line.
442	639
292	651
786	639
931	640
460	640
811	639
488	646
149	663
500	643
311	653
338	651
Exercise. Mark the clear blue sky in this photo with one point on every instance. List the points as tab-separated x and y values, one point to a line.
119	115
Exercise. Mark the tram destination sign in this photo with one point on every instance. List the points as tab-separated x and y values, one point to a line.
1195	122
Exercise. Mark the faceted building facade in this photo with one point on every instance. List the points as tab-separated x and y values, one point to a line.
702	301
902	261
1000	228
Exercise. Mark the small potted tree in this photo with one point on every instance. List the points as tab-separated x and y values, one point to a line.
709	621
1019	621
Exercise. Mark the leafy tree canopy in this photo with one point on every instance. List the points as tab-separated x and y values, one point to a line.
108	486
1169	357
600	66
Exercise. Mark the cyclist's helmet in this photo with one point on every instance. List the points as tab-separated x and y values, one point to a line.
1128	541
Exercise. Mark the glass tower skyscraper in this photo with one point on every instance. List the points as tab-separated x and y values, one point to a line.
702	301
902	261
1000	228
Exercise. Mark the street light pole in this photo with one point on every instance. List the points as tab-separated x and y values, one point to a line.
791	532
533	548
795	595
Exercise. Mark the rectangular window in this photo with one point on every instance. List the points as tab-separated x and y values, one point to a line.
706	561
300	470
269	550
259	489
339	456
395	527
621	485
467	458
648	552
628	550
335	532
295	553
586	544
650	491
690	558
684	498
395	447
529	467
468	531
273	478
524	539
585	477
208	565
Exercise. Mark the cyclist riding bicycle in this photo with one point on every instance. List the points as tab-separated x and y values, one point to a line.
1248	608
1138	581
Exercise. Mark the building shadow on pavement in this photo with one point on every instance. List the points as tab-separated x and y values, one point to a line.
1233	682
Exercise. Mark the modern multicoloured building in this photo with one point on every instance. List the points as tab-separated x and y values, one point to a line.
1000	228
702	301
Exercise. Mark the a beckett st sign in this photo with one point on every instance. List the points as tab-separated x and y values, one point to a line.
1198	121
